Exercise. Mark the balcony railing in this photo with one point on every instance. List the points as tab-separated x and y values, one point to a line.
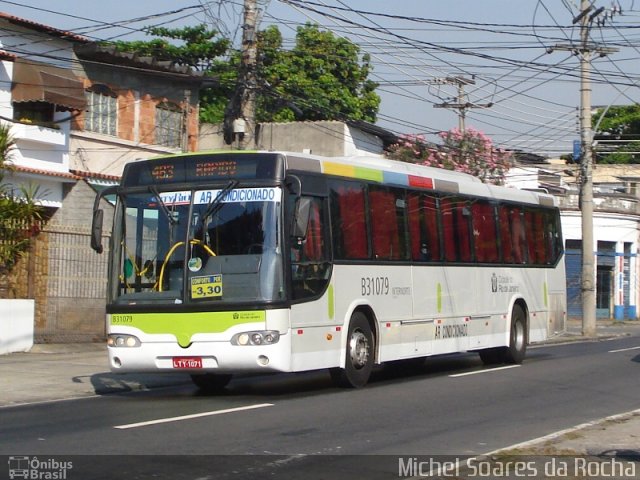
611	203
38	134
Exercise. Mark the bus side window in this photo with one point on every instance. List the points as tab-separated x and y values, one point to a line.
388	229
455	225
484	232
535	236
506	239
419	247
423	227
552	241
430	210
348	220
448	231
463	215
310	262
518	235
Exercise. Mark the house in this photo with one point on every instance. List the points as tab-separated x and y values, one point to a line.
616	231
79	111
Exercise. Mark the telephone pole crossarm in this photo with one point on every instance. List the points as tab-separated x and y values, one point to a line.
460	104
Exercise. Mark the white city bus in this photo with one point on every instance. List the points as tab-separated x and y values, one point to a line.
230	262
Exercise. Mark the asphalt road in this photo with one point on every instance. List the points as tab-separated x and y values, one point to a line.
300	426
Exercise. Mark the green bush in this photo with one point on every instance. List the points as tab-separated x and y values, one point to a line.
20	214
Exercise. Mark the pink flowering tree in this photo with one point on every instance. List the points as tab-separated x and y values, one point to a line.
470	151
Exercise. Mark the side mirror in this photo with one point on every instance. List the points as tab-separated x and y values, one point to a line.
301	215
96	230
98	218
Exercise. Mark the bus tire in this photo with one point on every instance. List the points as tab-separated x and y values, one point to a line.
518	337
359	355
517	348
211	382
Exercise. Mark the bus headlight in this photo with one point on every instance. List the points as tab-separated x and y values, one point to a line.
122	340
261	337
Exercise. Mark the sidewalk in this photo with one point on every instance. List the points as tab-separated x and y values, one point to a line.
52	372
63	371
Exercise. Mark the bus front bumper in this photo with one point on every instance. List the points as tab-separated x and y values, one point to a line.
201	357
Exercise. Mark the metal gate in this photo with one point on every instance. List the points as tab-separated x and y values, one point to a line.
573	266
75	288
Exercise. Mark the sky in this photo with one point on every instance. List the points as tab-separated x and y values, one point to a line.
521	83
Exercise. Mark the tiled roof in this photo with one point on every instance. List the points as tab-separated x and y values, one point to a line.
23	22
96	176
47	173
4	55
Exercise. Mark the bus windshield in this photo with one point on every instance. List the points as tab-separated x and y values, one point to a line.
215	245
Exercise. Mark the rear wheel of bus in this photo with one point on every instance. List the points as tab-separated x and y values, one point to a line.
359	355
517	348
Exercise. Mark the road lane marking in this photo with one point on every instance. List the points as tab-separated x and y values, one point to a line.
488	370
194	415
623	349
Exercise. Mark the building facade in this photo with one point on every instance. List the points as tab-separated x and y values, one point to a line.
78	113
616	232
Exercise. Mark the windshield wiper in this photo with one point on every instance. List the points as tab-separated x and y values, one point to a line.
163	206
216	204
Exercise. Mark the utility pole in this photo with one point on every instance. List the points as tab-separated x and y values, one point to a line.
240	113
588	286
586	196
584	50
185	121
248	78
461	105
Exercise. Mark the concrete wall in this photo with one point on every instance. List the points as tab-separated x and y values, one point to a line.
92	152
328	138
36	46
16	325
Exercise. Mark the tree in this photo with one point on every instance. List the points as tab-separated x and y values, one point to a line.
19	214
199	48
469	151
322	77
618	134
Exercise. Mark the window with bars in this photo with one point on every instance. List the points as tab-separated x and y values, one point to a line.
102	110
168	125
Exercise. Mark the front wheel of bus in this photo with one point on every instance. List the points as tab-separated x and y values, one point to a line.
360	354
211	382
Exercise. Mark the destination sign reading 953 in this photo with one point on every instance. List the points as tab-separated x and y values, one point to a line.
163	172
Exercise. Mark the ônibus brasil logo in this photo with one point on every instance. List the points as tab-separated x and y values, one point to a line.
34	468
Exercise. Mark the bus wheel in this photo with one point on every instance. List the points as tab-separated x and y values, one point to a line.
211	382
360	354
517	348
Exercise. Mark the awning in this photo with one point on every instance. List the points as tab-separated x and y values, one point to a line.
38	82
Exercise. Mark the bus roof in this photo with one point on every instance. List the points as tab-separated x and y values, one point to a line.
393	172
388	172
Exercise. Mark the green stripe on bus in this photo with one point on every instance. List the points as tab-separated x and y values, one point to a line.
185	325
331	311
343	170
369	174
439	297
